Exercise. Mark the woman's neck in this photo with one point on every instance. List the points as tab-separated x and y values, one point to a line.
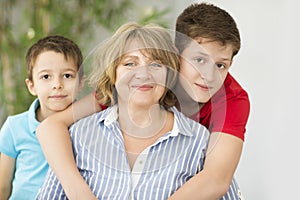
143	127
142	122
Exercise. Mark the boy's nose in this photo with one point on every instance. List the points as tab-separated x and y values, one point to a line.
58	84
209	72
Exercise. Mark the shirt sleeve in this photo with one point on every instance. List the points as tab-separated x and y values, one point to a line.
103	107
7	142
234	117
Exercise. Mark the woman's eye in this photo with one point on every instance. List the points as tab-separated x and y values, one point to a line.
129	64
68	76
155	65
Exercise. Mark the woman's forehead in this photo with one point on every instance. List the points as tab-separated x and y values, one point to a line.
137	53
134	44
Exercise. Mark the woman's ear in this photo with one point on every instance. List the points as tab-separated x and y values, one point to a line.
30	87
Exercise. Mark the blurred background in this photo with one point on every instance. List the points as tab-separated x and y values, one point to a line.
267	67
87	22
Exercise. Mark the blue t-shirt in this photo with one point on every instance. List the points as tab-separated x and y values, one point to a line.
18	140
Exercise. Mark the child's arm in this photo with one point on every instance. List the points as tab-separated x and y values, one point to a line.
55	141
213	181
7	170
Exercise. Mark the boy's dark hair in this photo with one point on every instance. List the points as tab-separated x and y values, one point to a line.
206	21
56	43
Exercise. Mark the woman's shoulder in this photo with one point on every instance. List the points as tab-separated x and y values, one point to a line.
187	124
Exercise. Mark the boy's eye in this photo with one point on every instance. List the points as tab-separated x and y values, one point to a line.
46	76
68	76
199	60
221	66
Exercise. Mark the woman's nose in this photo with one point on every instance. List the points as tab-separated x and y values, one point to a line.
142	72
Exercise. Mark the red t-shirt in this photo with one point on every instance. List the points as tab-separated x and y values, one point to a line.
227	111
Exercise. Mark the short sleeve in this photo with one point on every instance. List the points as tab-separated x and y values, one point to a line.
235	117
103	107
7	143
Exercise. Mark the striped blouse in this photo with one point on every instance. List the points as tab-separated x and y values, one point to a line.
158	171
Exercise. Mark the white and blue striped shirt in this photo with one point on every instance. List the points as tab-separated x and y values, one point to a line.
158	171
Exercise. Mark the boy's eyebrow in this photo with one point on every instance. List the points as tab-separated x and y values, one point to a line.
225	59
44	70
71	69
201	53
207	55
49	70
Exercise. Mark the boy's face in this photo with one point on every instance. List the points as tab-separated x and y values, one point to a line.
54	82
204	68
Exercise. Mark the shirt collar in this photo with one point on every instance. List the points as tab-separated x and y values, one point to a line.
109	115
181	125
32	121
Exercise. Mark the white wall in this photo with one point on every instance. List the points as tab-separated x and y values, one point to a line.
268	68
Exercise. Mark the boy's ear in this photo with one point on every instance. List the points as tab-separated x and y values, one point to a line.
30	87
81	83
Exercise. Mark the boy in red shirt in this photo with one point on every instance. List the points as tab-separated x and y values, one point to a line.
210	95
206	92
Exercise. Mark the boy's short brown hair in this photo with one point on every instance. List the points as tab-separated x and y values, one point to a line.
58	44
206	21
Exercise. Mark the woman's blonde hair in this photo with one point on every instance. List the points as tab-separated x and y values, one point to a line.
153	39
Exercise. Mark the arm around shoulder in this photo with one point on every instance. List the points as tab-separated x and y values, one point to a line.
214	180
53	135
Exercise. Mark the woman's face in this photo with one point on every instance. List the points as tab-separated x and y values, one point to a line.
140	80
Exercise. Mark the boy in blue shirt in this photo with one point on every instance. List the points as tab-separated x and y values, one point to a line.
54	76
